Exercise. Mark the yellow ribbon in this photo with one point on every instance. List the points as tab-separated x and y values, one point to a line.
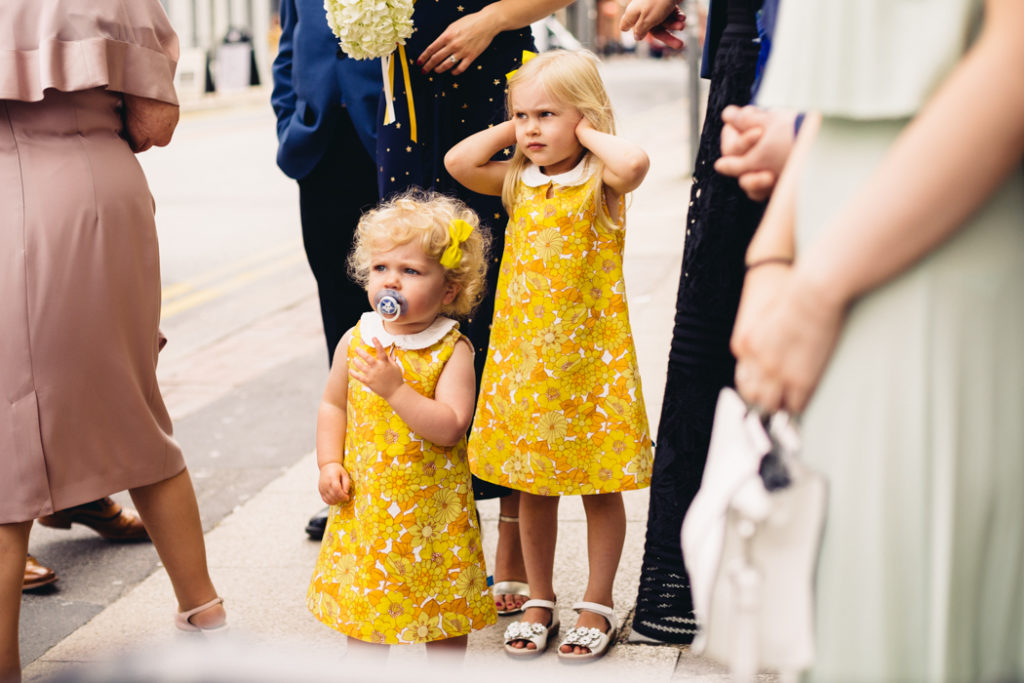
388	67
527	56
459	231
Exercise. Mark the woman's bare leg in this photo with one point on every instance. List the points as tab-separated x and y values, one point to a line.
13	549
171	515
508	558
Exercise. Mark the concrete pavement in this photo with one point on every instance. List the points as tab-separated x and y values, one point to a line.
260	560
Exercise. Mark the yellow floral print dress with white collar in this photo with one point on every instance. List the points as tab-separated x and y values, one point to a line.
560	408
401	562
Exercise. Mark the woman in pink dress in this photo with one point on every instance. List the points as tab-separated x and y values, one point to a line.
84	85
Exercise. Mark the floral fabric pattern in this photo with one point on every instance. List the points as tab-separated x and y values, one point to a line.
560	408
401	562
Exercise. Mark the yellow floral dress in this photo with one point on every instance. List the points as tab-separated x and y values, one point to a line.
401	562
560	409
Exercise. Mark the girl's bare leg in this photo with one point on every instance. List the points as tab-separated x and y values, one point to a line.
606	532
13	549
171	515
449	650
508	559
538	529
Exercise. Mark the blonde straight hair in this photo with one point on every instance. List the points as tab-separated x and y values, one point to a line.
570	78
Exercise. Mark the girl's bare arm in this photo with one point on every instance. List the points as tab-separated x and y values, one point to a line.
625	164
470	163
334	483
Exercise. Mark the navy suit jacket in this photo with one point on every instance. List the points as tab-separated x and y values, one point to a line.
312	80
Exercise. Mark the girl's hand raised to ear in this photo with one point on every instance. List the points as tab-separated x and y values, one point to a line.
582	125
380	372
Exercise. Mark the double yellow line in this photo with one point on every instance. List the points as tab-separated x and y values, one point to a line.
213	284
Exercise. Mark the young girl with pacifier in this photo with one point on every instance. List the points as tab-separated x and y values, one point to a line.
560	410
401	560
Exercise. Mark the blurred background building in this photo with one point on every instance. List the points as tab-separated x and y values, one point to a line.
229	44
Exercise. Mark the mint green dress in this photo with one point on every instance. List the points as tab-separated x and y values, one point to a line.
919	419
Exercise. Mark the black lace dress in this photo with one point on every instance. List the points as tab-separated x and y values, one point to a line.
719	226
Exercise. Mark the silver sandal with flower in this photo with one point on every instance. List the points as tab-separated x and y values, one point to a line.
531	632
594	639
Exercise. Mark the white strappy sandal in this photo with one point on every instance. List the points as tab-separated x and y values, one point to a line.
183	620
594	639
537	634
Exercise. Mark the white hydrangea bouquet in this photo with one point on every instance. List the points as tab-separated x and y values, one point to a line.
370	28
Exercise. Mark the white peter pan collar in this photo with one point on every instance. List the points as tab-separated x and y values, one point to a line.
372	325
534	177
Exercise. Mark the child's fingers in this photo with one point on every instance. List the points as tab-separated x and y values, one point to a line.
359	374
337	491
367	358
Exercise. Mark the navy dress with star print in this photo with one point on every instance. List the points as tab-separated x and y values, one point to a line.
448	109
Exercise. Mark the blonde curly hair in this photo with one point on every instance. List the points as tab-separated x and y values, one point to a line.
423	217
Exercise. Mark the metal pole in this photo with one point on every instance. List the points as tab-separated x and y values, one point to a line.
693	50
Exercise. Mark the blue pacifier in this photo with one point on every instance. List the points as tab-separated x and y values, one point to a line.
388	304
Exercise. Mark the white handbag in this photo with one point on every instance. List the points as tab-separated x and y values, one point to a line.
750	542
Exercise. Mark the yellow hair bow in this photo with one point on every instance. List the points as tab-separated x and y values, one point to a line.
527	56
459	230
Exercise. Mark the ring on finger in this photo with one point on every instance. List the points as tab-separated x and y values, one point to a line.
453	59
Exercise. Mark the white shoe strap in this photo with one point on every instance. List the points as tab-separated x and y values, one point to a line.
537	602
597	608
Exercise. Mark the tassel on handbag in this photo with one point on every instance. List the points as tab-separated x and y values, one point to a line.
750	542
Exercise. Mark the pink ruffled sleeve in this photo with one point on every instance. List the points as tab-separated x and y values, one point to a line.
124	45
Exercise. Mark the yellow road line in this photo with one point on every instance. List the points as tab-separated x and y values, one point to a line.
276	251
183	296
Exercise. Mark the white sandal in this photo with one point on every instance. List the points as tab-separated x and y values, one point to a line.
183	620
511	588
537	634
594	639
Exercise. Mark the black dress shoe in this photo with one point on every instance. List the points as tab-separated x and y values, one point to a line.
317	525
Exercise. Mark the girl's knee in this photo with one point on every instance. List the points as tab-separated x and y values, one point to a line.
603	500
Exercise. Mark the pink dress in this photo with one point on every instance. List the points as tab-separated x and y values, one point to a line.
81	414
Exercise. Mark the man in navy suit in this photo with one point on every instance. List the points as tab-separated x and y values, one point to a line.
326	106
